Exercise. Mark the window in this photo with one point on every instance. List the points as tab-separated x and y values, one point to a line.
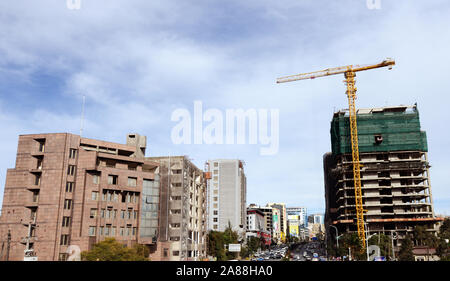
94	195
166	252
37	179
134	231
71	170
132	182
122	214
113	231
215	226
93	213
72	153
215	205
64	239
216	212
107	230
41	145
132	167
92	230
35	196
69	186
102	213
67	204
95	179
215	199
122	231
39	164
175	253
216	164
112	179
215	219
66	221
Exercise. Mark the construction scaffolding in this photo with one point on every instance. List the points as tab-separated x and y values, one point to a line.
395	180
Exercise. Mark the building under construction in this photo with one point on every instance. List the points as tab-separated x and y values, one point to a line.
395	178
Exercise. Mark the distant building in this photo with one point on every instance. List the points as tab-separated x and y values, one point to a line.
257	223
298	211
316	225
281	207
296	220
276	229
227	192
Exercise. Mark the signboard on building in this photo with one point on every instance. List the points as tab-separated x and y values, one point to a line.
234	247
30	258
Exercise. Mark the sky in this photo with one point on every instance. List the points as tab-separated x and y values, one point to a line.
138	62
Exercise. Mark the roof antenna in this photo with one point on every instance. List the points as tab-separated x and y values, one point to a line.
82	116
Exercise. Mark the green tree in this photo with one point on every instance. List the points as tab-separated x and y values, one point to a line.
216	245
351	240
444	230
111	250
406	250
384	242
230	237
443	248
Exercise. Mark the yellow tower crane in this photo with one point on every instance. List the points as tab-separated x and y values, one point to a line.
350	73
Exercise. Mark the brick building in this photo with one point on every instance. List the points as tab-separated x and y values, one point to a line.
68	190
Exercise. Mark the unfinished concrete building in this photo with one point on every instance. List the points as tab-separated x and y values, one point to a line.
395	180
182	229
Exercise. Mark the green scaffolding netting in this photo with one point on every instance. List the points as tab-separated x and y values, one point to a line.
400	131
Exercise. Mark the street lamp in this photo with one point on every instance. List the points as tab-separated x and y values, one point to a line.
367	239
337	236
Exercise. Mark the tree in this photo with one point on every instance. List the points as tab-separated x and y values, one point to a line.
216	245
425	238
230	237
384	242
443	248
111	250
351	240
406	250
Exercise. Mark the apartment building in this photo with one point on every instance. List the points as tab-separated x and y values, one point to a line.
66	190
227	192
182	215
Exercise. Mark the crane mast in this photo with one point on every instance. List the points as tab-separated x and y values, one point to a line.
350	74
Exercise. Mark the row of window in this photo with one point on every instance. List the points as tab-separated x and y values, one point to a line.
110	230
116	196
110	213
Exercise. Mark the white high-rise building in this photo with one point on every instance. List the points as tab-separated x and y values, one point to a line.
227	192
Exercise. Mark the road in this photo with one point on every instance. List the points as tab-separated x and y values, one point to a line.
305	252
298	252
